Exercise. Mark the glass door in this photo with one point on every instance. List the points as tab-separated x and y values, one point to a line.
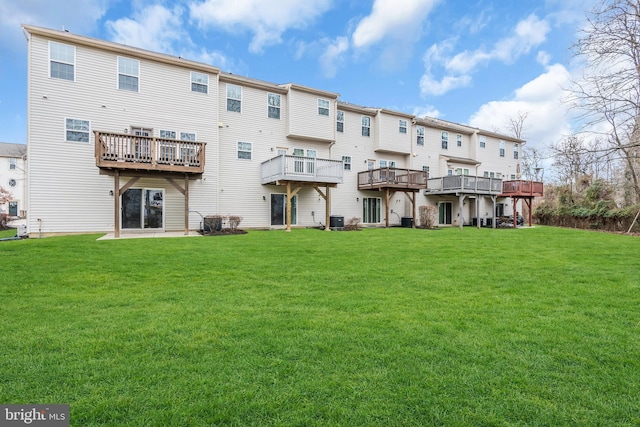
142	209
279	209
445	210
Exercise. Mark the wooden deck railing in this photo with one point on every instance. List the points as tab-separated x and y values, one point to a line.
465	183
523	188
296	168
124	151
392	178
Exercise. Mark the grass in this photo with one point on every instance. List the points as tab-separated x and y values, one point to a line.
379	327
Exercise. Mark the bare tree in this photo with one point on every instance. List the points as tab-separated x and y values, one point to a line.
609	91
532	163
572	159
516	125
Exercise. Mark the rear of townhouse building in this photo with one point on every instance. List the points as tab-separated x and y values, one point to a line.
122	139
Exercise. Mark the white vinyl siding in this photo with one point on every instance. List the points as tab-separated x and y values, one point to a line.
62	59
305	121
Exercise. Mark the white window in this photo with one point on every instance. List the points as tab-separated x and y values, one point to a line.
323	107
516	151
187	136
371	164
128	74
513	176
459	140
244	150
199	82
501	148
340	121
273	107
420	135
483	141
402	126
486	174
445	140
426	169
346	160
62	60
76	130
169	134
234	98
12	163
458	171
366	126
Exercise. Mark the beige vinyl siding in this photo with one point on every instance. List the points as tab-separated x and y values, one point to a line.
63	174
387	135
304	120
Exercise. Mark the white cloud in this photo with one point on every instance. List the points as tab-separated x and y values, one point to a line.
266	19
527	34
548	117
160	29
387	19
426	111
78	16
333	56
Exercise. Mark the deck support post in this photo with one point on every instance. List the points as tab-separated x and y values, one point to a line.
116	204
186	204
327	199
493	214
288	207
478	212
460	203
386	219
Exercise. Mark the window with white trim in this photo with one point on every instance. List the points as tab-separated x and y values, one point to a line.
340	121
366	126
459	140
187	136
168	134
402	126
244	150
273	106
445	140
12	163
323	107
62	59
513	176
234	98
483	141
199	82
346	161
420	135
426	169
77	130
501	148
516	150
128	74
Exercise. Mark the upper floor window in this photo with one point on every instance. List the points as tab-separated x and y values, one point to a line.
128	74
501	148
445	140
199	82
234	98
273	107
459	140
187	136
483	141
244	150
402	126
426	169
516	151
169	134
76	130
62	59
420	135
323	107
340	121
346	160
12	163
366	126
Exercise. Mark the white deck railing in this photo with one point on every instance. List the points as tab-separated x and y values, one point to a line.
296	168
467	183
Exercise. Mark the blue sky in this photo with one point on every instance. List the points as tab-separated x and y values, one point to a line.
479	63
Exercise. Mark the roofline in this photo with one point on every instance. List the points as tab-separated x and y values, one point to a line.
68	37
249	82
462	160
501	136
313	91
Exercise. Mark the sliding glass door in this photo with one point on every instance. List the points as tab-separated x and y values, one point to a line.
142	209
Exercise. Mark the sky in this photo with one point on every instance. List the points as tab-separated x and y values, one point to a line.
479	63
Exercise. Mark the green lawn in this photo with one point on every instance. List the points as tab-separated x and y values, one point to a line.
310	328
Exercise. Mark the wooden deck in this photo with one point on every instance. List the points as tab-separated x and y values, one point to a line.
287	168
139	153
464	184
392	178
520	188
